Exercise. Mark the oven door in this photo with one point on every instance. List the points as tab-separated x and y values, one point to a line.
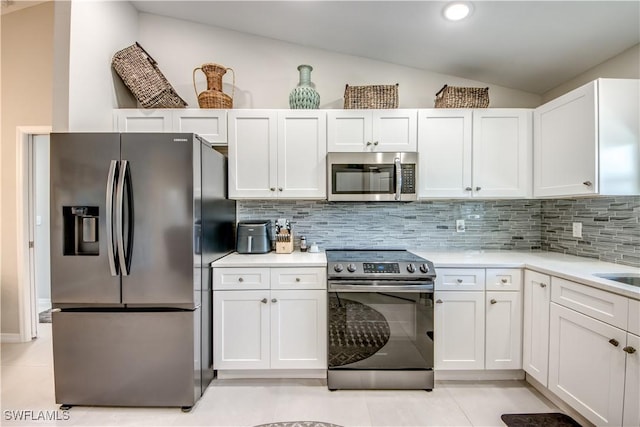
381	326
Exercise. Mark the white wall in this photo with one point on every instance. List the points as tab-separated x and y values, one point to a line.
626	65
266	69
98	30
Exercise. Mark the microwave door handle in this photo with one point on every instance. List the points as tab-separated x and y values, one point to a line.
398	170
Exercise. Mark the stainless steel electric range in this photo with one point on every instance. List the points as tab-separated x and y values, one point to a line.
380	333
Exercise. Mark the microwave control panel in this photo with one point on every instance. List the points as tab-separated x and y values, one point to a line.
408	179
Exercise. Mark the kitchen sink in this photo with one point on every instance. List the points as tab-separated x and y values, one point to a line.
627	279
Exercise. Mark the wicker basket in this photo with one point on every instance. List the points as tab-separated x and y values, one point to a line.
377	96
140	73
462	97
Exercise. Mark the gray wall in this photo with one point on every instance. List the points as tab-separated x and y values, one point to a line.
611	225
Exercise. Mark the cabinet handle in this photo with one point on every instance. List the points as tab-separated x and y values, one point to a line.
543	285
629	349
263	300
614	342
459	280
438	301
240	279
588	183
272	189
478	188
375	143
503	280
468	189
493	301
274	300
368	143
279	188
297	279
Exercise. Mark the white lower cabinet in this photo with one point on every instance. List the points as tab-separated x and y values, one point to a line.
631	414
535	331
474	329
273	326
587	365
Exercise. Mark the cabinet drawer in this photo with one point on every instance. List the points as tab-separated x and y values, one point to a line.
596	303
634	317
241	278
504	279
460	279
299	278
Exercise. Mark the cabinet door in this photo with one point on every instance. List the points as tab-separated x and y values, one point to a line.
503	330
631	415
302	152
460	279
587	365
566	145
298	329
141	120
459	330
502	157
241	329
253	152
348	130
444	151
210	124
504	279
394	131
535	331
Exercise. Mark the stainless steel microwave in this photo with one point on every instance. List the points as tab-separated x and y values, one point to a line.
372	176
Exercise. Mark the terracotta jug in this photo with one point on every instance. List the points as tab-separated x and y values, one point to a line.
213	97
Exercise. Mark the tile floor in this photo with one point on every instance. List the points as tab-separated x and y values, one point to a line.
27	385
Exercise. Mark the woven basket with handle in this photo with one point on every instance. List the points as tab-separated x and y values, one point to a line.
376	96
462	97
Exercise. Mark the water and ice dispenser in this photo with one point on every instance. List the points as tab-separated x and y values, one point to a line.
81	225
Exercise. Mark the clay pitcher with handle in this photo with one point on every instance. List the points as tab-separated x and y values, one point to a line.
214	97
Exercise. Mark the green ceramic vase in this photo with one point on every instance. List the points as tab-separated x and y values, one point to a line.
304	96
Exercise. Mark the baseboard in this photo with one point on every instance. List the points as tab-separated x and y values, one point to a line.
558	402
10	338
272	373
479	375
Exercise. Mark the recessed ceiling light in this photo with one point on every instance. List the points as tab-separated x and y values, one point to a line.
457	10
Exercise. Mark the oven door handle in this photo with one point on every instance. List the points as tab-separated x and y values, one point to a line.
379	286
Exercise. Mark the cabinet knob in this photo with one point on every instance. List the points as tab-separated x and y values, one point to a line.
543	285
629	349
614	342
263	300
493	301
459	280
375	143
438	301
274	300
588	183
297	279
503	280
478	188
240	279
468	189
368	143
272	189
279	188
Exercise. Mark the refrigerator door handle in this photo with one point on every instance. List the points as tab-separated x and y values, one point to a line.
111	177
130	219
119	217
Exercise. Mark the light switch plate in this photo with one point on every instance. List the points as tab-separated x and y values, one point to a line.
460	227
577	229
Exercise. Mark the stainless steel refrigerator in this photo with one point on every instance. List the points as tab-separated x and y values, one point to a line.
136	219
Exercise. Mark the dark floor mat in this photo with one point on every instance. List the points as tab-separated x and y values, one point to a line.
539	420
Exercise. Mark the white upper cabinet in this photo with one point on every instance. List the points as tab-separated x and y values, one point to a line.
587	141
372	130
277	154
484	153
210	124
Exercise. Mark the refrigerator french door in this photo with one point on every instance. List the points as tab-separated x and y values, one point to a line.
136	220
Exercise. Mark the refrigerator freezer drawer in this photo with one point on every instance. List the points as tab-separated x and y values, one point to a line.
126	358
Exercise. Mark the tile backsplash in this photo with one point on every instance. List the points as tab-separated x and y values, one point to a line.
611	225
610	228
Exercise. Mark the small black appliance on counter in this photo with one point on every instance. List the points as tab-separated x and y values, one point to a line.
254	237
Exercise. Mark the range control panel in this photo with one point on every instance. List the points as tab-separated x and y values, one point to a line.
381	267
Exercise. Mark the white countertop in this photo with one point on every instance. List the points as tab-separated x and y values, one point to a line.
565	266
